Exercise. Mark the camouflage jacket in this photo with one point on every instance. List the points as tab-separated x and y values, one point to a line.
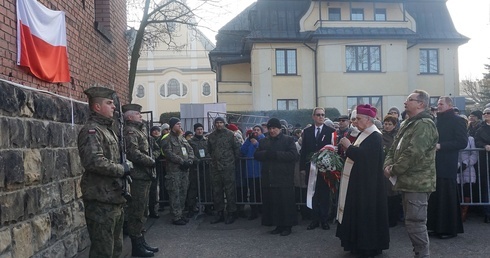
137	151
413	153
223	148
200	146
176	150
99	155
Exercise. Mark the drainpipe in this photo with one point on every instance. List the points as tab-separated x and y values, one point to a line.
316	71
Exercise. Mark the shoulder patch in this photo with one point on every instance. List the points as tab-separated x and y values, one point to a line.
92	131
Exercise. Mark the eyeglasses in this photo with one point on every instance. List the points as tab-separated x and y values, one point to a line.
487	113
319	114
410	99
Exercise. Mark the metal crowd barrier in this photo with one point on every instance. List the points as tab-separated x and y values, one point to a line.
474	188
473	182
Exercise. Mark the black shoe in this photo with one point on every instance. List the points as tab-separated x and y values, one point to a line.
148	247
138	250
276	231
253	216
220	217
230	218
154	215
444	236
286	231
186	220
325	226
179	222
313	225
190	214
431	233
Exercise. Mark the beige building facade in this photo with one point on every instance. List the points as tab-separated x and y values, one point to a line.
167	77
294	54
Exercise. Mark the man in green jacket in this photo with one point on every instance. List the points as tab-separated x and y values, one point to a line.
410	165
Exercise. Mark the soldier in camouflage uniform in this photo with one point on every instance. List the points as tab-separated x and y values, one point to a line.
224	149
179	156
137	148
199	145
411	159
101	182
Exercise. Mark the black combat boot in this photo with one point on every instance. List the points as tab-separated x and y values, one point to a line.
230	218
148	247
220	217
137	248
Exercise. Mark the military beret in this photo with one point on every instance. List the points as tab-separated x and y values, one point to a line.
131	107
99	92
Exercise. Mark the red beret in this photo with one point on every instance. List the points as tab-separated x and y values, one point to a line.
367	110
232	127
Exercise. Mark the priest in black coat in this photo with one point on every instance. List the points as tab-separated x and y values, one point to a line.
362	210
278	154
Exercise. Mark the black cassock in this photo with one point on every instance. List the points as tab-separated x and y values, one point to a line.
365	221
278	156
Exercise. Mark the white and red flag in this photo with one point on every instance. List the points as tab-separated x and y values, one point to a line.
41	41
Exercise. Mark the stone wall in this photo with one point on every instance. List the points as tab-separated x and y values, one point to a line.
41	211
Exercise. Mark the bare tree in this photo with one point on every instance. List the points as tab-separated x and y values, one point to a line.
478	90
156	23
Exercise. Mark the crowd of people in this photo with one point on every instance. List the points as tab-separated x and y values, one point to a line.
404	167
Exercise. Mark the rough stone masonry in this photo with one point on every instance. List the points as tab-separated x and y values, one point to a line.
41	211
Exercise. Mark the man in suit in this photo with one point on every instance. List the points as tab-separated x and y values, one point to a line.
314	138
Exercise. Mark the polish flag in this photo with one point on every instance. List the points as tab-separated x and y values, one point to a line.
41	41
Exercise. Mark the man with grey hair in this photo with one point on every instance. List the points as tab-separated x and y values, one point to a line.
443	213
410	164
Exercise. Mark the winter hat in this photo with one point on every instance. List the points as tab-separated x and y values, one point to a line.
155	128
187	133
172	122
165	126
197	125
477	113
367	110
394	109
219	119
274	122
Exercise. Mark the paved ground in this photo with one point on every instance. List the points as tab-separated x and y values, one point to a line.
249	239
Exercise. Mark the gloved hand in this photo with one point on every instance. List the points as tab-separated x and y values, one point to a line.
189	163
184	166
127	168
463	166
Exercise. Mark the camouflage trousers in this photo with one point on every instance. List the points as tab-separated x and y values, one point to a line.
104	224
177	183
223	182
138	206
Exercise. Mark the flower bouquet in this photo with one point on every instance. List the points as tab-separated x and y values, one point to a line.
329	164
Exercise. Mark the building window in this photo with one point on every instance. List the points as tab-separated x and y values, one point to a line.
380	15
184	90
334	14
376	101
357	14
173	87
206	89
140	91
287	104
285	61
429	61
162	90
433	101
363	58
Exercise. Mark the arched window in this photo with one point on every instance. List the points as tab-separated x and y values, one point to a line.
184	90
162	90
173	87
140	91
206	89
